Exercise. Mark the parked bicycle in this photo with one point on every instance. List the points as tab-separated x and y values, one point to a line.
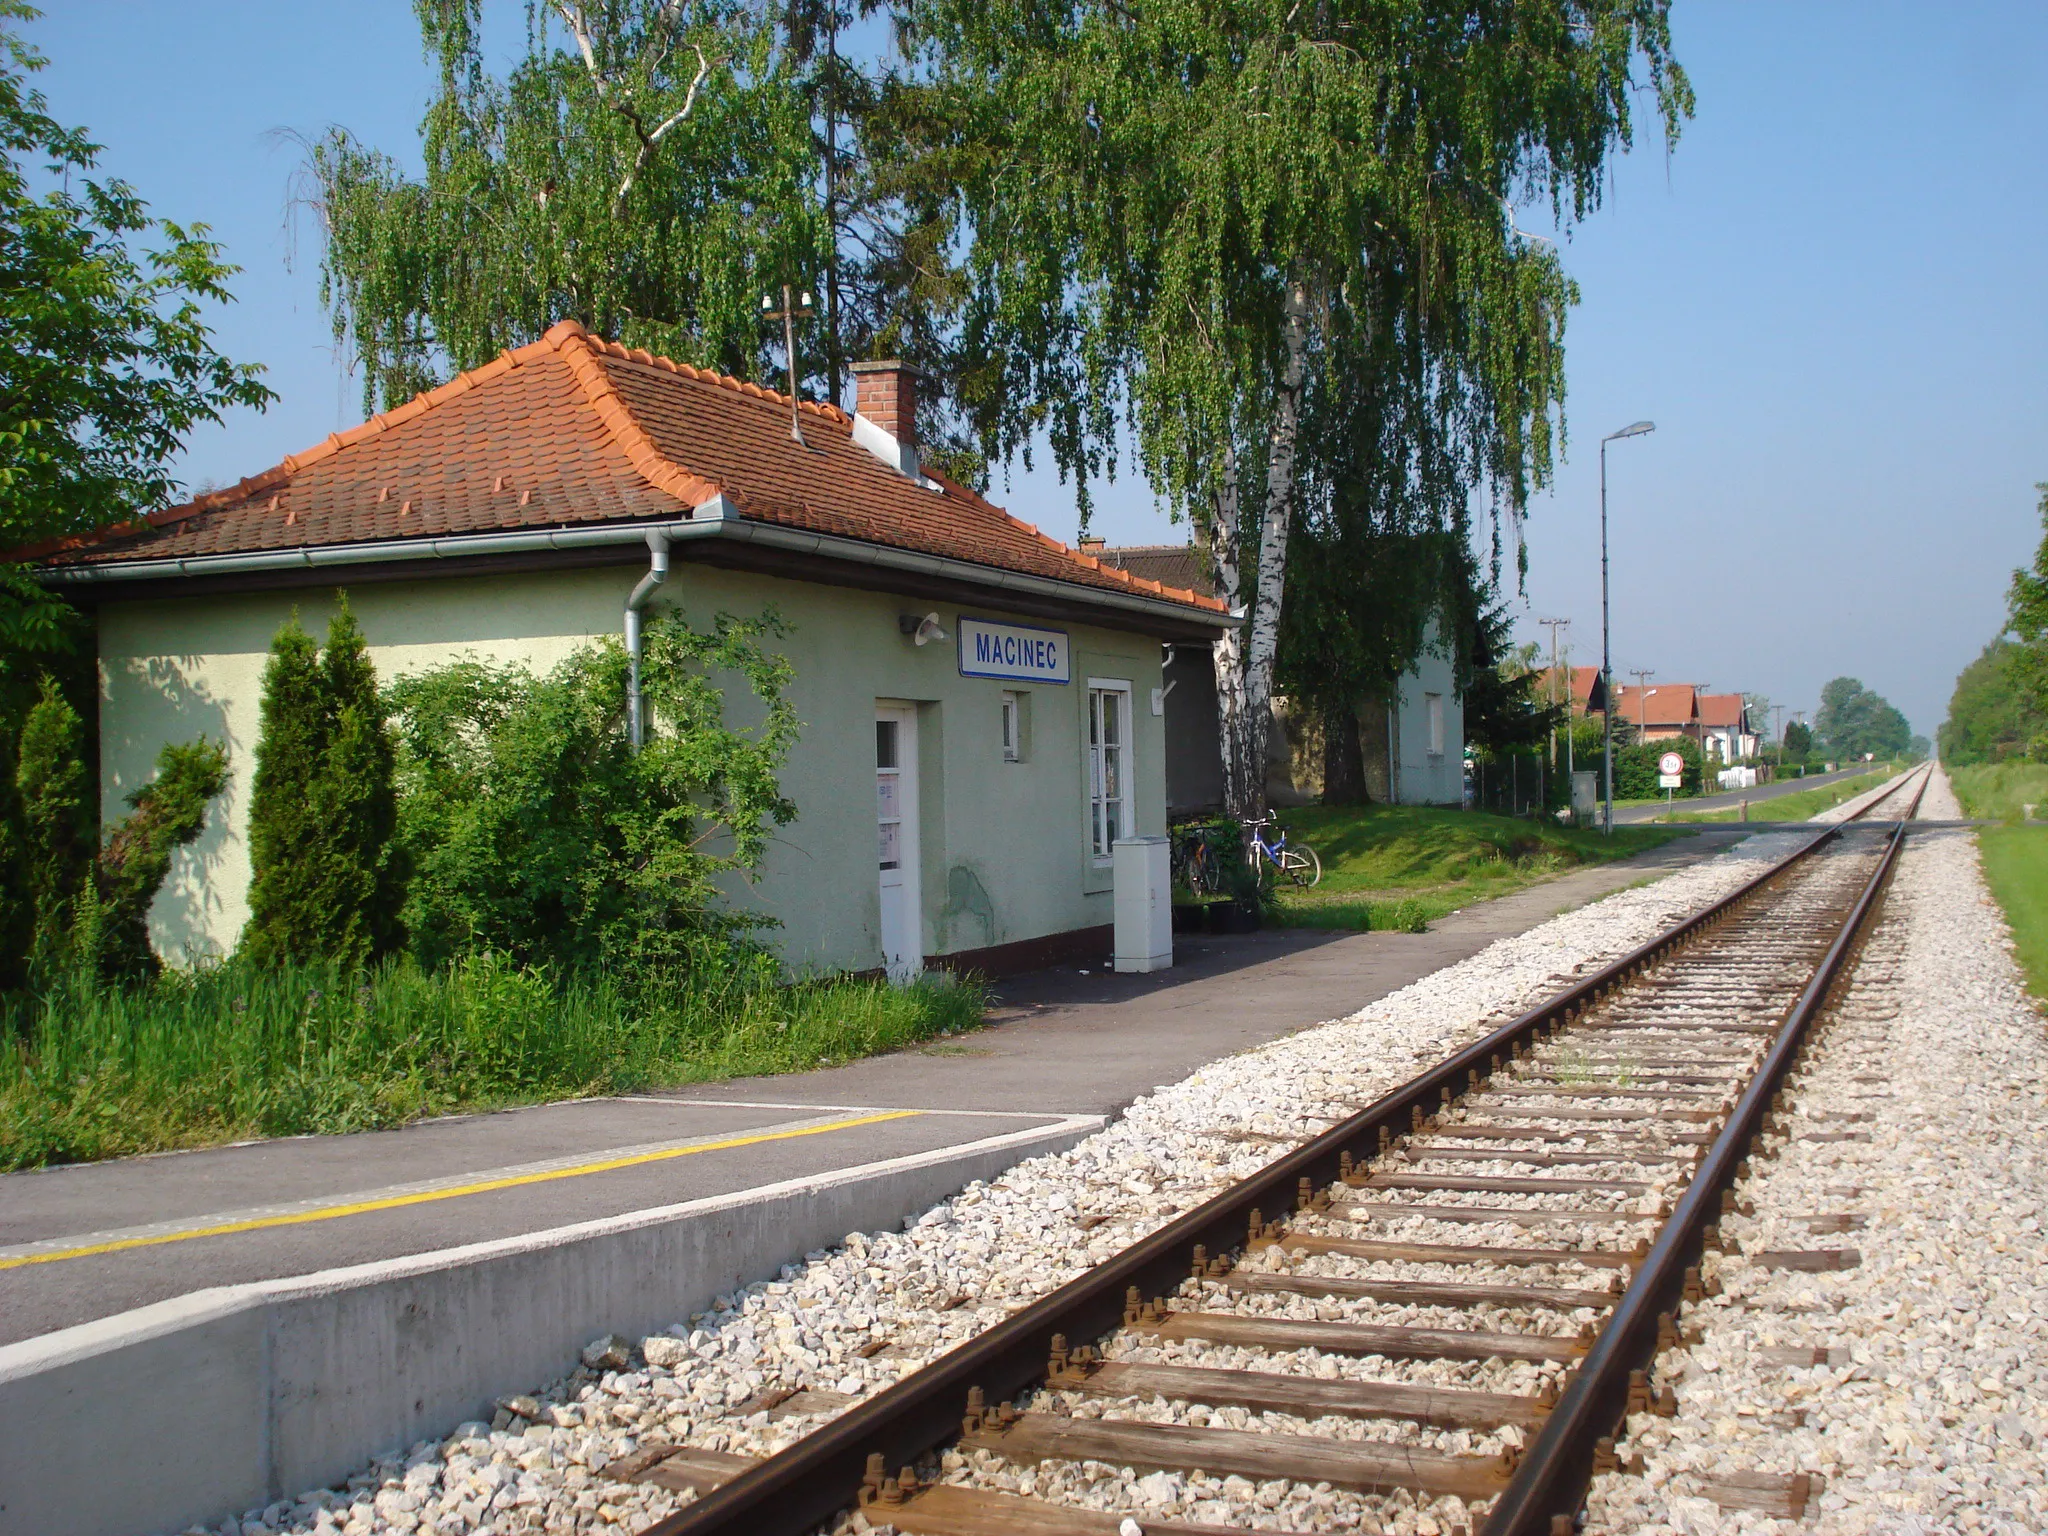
1195	864
1297	862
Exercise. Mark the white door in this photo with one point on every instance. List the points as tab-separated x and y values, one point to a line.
896	833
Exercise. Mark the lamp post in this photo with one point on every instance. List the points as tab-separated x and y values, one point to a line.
1606	664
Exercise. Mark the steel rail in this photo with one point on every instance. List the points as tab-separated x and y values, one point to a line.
1550	1483
804	1485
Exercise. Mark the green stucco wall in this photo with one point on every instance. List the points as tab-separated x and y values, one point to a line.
1004	850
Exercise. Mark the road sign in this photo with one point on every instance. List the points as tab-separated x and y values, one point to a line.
1671	781
1670	763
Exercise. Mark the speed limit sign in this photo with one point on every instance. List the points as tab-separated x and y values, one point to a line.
1671	762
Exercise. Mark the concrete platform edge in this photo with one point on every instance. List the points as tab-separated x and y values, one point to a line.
226	1399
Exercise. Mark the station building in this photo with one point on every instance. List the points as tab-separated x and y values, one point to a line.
982	706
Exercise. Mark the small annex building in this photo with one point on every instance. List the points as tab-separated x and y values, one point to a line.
1414	742
980	703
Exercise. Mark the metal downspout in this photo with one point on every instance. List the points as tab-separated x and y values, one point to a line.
657	573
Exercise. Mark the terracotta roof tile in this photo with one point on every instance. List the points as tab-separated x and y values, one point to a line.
573	430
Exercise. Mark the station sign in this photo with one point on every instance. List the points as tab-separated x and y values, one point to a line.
1020	653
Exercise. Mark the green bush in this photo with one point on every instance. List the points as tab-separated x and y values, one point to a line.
1635	768
530	827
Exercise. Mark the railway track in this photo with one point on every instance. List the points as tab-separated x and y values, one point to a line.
1445	1305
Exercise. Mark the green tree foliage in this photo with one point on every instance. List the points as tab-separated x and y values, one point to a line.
1213	223
1852	720
323	879
105	354
167	813
646	168
531	828
1798	742
1991	718
56	813
1504	707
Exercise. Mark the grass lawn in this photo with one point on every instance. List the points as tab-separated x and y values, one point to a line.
2016	869
1402	866
229	1054
1801	804
2001	791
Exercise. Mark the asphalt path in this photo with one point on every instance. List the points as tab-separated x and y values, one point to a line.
86	1242
1762	795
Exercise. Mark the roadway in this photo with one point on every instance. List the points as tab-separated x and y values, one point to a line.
1762	795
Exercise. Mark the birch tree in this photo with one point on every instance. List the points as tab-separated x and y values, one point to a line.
1182	210
645	168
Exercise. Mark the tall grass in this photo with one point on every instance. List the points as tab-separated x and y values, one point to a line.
2001	791
192	1059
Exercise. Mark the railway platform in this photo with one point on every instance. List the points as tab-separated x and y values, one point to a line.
1064	1047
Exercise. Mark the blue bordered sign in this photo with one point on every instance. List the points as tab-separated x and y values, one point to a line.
1021	653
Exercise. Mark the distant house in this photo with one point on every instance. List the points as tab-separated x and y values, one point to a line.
1725	729
1579	687
1663	712
1414	743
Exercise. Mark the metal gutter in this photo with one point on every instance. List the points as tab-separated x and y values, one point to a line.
715	519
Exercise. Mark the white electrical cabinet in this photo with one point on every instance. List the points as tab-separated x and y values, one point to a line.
1144	904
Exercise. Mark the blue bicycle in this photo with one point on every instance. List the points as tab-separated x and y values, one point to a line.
1297	862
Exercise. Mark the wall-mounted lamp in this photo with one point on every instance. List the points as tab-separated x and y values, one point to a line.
922	630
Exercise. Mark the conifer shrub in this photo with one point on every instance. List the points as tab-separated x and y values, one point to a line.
55	792
323	882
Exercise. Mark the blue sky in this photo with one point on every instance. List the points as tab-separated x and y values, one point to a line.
1829	298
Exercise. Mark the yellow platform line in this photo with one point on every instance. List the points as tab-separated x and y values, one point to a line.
422	1197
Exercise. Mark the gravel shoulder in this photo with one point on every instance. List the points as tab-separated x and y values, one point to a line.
1923	1118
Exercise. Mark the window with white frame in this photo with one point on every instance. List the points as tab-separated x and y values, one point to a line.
1013	729
1436	723
1109	767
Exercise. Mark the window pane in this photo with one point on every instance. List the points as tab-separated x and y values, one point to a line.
1112	717
890	841
888	796
885	744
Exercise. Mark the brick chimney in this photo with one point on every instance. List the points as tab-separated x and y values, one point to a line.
886	394
1092	543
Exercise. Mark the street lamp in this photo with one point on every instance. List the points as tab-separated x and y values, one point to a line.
1606	667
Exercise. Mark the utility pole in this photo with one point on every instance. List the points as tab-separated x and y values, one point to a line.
789	314
1779	711
1642	675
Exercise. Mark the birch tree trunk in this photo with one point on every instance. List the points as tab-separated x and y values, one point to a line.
1244	702
1222	536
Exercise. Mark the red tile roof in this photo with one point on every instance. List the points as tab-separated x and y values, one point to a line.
1722	711
1582	682
572	430
1660	704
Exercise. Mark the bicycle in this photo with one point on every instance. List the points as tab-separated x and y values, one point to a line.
1194	862
1298	862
